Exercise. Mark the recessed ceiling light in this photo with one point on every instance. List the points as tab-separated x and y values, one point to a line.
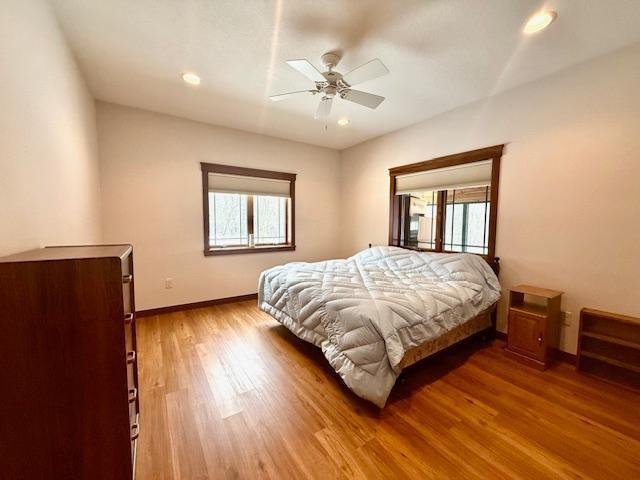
539	21
343	122
191	78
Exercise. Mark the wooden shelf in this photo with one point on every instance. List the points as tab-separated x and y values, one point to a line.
611	361
616	317
609	347
531	309
610	339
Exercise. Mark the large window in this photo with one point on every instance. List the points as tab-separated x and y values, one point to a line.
447	204
247	210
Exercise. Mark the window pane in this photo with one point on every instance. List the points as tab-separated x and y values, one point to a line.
269	219
475	227
453	227
467	220
227	219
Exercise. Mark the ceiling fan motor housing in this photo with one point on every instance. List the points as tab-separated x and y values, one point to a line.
330	60
334	84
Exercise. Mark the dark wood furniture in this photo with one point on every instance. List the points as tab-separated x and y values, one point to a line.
534	326
69	407
609	347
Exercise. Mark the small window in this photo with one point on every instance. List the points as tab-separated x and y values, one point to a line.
447	204
247	210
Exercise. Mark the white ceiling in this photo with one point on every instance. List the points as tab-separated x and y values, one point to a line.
442	54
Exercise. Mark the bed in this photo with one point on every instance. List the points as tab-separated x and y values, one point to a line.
382	309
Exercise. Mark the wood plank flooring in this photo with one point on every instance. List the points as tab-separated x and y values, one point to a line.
226	392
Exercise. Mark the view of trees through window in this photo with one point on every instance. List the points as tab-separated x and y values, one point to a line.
228	219
269	219
234	218
466	219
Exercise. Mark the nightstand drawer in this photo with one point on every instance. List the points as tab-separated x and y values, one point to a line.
526	334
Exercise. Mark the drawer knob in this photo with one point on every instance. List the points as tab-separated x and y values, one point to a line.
128	318
127	278
540	339
131	357
133	394
135	431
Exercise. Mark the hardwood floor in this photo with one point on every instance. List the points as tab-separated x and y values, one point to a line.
226	392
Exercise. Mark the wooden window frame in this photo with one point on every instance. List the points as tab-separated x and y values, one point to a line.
208	168
493	153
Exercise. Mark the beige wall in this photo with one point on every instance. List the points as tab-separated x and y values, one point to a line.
49	187
569	208
152	196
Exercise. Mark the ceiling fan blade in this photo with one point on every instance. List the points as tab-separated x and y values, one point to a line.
282	96
370	70
307	69
324	108
363	98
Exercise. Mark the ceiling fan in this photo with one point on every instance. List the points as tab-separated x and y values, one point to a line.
331	84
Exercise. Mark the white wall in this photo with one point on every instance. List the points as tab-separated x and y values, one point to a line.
49	186
569	207
152	197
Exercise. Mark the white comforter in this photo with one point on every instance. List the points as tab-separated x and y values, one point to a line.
366	311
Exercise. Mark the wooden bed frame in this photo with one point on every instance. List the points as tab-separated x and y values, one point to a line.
482	324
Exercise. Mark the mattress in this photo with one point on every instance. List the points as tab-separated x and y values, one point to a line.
367	311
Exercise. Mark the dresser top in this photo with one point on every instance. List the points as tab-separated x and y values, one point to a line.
69	253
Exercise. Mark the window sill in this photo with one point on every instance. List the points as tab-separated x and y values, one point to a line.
238	250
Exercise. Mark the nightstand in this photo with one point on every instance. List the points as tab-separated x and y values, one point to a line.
534	325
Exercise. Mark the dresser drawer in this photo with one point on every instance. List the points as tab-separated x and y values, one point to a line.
129	333
127	297
132	386
127	285
134	430
131	369
133	402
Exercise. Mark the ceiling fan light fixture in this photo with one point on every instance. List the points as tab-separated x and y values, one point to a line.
343	122
539	21
191	78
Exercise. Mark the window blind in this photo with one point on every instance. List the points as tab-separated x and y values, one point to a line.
222	183
477	174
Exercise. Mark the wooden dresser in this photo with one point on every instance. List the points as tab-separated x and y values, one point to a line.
69	405
533	330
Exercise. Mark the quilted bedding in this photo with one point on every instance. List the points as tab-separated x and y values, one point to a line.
366	311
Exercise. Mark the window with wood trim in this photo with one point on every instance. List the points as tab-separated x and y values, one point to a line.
447	204
247	210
